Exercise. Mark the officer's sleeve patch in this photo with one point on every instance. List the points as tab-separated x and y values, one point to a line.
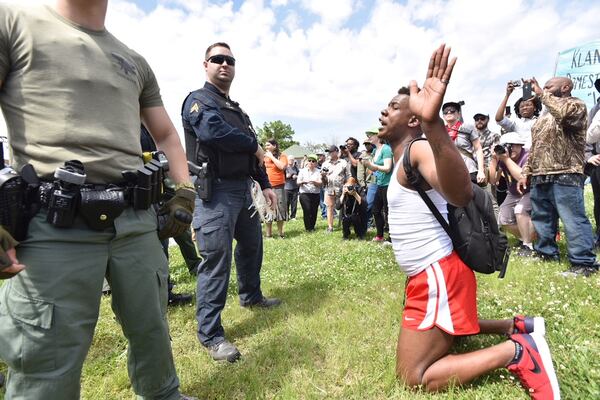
195	107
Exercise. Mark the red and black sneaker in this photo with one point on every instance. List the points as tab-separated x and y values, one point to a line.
523	324
533	366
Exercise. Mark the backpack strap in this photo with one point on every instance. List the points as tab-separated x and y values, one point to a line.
415	179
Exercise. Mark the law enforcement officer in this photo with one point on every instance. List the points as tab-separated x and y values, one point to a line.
71	91
221	141
184	240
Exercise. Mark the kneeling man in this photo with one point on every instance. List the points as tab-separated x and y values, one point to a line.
441	298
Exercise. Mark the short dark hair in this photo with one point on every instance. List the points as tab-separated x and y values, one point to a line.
404	90
212	46
353	140
537	104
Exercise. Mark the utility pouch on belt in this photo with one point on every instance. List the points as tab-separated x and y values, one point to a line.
99	208
159	176
203	181
141	182
18	200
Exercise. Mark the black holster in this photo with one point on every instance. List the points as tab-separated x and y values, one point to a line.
203	182
19	200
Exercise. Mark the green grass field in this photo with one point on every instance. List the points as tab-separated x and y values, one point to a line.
335	335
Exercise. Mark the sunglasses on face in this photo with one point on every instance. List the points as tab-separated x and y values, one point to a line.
219	58
449	111
312	160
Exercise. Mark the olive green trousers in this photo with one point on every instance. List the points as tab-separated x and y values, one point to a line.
49	311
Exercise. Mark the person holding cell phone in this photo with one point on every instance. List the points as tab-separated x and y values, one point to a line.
527	109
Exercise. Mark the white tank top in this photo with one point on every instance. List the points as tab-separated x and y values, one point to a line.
417	237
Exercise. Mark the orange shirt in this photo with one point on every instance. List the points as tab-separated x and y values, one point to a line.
276	175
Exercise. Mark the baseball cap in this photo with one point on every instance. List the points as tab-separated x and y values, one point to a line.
511	138
480	115
312	157
372	131
451	104
332	148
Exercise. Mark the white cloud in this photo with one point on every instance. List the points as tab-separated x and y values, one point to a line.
331	12
330	79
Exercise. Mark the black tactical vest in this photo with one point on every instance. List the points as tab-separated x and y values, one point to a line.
229	165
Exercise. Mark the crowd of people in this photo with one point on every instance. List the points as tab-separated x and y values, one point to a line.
534	170
86	225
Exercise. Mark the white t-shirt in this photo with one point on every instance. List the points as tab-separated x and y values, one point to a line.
520	125
306	175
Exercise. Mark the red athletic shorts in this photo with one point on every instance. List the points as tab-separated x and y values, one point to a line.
442	295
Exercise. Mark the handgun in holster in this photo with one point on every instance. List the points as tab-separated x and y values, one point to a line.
19	199
203	182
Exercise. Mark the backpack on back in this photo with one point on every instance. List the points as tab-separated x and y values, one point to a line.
473	228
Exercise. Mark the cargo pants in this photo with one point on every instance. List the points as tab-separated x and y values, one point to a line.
227	216
49	311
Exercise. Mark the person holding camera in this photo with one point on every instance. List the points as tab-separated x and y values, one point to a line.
353	210
554	170
350	154
334	173
309	182
527	109
86	94
515	212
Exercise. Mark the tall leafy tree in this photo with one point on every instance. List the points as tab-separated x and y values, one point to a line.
283	133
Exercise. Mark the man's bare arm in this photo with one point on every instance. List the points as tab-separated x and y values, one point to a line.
439	162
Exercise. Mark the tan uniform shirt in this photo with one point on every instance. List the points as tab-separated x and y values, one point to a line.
70	93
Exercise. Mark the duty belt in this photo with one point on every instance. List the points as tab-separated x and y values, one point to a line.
97	205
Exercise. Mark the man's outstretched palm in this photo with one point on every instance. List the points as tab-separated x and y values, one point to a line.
425	103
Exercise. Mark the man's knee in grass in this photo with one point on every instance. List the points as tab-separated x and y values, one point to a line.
410	377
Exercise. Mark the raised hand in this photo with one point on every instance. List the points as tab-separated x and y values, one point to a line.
536	87
425	103
509	88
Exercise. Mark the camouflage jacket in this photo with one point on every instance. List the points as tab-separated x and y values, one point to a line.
558	137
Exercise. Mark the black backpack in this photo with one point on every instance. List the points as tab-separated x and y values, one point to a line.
473	228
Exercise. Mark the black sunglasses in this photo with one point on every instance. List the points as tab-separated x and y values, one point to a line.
450	111
219	58
312	160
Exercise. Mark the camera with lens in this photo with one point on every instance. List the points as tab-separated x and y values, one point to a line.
515	83
343	147
65	194
324	170
500	149
352	188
